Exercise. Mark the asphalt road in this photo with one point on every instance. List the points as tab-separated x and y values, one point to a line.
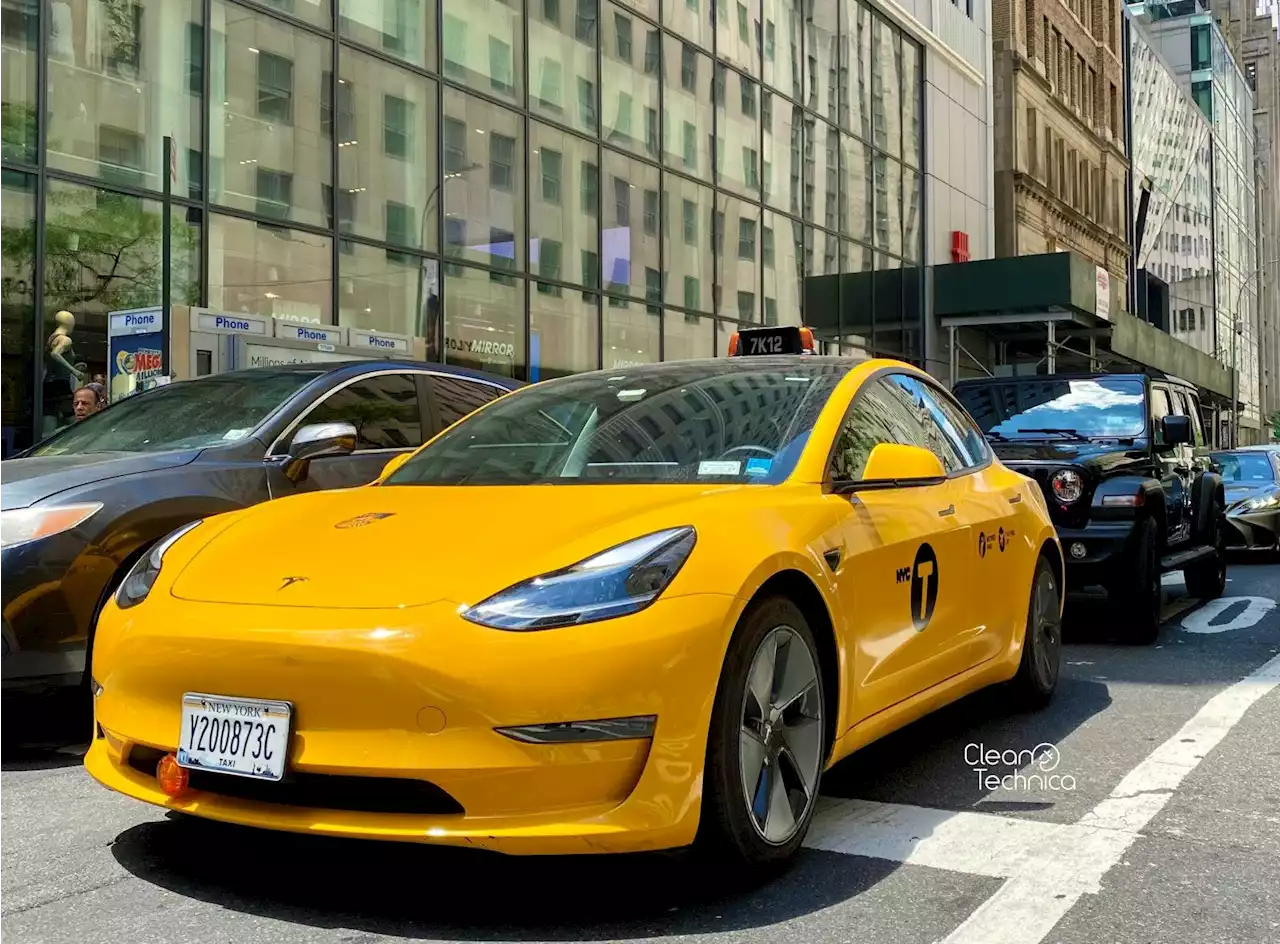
1162	825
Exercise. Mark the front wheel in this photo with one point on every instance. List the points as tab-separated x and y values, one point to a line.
1139	593
1037	676
767	743
1207	579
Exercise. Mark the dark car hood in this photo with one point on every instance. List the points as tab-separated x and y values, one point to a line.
1100	458
27	481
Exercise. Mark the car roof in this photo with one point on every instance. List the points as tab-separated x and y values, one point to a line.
1041	378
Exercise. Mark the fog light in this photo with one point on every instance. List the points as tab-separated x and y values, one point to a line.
1077	550
172	778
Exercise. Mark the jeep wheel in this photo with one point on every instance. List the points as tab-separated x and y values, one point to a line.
1138	591
1207	578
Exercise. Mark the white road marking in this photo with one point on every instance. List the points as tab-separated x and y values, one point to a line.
1026	908
1255	609
1047	866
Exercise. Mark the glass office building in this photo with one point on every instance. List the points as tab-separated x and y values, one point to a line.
527	188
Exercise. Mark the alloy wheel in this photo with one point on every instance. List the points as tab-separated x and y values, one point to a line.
780	737
1046	623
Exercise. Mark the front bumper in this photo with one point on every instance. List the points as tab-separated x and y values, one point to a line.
50	590
417	694
1095	555
1253	529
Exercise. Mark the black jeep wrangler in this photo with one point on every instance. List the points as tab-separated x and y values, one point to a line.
1116	458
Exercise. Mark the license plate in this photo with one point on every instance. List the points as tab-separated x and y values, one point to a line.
243	736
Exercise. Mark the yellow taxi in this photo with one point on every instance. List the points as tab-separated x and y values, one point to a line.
628	610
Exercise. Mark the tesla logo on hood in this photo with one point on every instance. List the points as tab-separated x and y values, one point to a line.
290	581
359	521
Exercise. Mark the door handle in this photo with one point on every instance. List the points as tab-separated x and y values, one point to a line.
1015	500
947	512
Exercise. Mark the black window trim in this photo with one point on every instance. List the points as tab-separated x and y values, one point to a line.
427	411
834	485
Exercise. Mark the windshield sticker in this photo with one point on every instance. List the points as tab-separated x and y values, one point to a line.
233	434
719	467
759	467
630	395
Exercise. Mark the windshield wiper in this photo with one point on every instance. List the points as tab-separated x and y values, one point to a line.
996	437
1057	431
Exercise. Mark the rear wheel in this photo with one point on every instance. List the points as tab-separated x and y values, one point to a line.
1037	676
1138	591
1207	579
767	743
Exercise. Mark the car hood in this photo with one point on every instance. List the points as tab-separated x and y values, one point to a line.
386	547
1236	492
1101	459
27	481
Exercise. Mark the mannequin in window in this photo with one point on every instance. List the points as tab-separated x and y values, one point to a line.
61	378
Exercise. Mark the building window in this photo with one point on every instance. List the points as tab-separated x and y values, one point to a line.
346	116
770	311
549	264
692	292
589	188
651	212
652	45
717	232
748	96
551	11
766	246
274	190
688	68
195	58
584	25
751	168
587	102
275	88
397	127
120	154
689	145
622	201
455	146
1251	75
590	269
653	290
401	225
502	162
502	254
622	25
689	213
651	130
746	306
346	210
746	239
501	67
1201	50
550	162
1033	138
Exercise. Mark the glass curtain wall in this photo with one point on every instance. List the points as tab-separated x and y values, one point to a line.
527	188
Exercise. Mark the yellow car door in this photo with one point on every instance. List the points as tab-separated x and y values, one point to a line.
905	582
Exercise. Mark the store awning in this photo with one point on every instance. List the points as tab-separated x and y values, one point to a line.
1053	287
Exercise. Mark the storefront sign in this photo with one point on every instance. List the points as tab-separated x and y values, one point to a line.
378	341
136	321
1102	306
481	347
320	334
226	322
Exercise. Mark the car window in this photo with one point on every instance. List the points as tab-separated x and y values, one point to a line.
957	427
730	420
1244	467
383	409
1053	407
192	414
1160	406
885	411
457	396
1185	405
943	438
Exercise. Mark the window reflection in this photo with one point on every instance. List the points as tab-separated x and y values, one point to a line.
562	62
484	321
405	29
483	182
629	84
690	271
269	270
687	117
17	311
482	46
629	232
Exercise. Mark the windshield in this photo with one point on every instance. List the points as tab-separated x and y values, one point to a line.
731	420
1099	408
187	415
1243	467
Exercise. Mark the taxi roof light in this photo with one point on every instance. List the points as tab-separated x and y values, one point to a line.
774	339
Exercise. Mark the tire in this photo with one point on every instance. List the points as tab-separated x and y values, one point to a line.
1037	676
1207	579
1139	594
788	748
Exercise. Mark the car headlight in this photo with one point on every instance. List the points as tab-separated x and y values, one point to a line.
1260	504
1067	486
23	525
142	577
622	580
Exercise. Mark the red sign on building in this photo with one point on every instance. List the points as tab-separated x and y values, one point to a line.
959	246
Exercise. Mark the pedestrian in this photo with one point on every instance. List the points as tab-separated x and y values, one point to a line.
88	400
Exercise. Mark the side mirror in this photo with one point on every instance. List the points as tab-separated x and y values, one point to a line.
893	465
390	468
1175	430
315	441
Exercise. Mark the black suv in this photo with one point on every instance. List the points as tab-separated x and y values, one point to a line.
1116	458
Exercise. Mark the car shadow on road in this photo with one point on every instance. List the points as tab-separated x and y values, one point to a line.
468	895
44	731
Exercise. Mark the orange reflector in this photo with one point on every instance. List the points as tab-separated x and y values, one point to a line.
173	779
806	340
733	344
